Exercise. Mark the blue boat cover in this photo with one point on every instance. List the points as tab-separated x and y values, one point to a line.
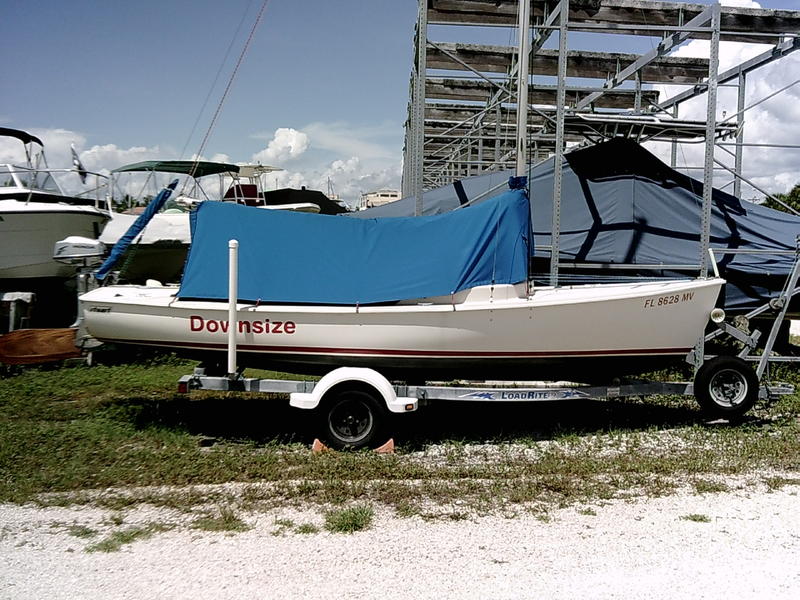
287	257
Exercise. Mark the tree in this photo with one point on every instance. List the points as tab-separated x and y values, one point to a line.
792	198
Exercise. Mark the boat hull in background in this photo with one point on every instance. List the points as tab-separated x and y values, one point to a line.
29	231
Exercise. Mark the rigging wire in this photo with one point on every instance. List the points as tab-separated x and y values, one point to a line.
228	86
216	78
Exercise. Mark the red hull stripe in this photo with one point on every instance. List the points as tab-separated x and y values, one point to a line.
409	353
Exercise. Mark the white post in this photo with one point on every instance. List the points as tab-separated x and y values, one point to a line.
233	294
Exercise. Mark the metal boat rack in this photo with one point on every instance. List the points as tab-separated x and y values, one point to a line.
778	307
463	98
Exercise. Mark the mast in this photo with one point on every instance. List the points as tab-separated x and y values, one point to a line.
523	75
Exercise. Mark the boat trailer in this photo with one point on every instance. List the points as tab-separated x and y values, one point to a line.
353	403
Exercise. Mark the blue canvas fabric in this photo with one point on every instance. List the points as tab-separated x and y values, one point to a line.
287	257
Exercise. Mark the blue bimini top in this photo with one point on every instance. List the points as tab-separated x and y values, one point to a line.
298	258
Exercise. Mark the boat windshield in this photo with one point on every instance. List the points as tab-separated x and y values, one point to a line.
6	178
30	179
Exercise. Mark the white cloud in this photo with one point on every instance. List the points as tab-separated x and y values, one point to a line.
99	158
110	156
344	139
775	121
11	151
346	178
740	3
57	147
345	159
351	160
286	144
220	157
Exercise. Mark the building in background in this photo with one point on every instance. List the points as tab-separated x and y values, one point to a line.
378	198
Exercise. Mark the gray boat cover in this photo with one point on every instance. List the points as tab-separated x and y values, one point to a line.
621	204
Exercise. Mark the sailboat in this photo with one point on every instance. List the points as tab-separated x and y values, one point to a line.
415	298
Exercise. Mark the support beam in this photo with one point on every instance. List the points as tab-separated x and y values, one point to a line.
662	48
779	51
675	70
558	157
629	17
419	104
465	90
740	98
711	121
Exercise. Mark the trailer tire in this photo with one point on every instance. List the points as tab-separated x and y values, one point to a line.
352	418
726	387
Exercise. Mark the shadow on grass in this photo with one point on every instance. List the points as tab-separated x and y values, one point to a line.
228	419
485	422
262	420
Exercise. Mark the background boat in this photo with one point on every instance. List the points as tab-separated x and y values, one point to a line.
160	250
34	215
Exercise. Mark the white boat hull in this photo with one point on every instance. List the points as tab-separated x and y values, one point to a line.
482	332
29	231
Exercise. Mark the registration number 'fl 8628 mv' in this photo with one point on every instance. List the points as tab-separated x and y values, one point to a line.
668	299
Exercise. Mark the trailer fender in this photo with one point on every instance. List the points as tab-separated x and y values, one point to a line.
378	382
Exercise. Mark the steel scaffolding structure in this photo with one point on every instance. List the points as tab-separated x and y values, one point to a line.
463	108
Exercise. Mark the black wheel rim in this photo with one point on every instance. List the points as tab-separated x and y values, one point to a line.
728	388
350	420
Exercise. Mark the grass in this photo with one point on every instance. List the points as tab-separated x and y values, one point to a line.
349	520
776	483
81	531
224	520
696	518
123	427
306	528
116	540
703	486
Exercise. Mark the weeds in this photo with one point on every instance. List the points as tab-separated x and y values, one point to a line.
776	483
307	528
81	531
696	518
349	520
704	486
225	520
118	539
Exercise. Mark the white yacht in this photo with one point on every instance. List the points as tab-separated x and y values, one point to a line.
35	214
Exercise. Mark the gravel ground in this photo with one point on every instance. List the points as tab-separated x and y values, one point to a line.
739	544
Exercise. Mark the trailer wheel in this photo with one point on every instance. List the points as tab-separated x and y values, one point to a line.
726	387
352	418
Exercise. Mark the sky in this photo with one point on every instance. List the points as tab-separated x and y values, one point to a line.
321	92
